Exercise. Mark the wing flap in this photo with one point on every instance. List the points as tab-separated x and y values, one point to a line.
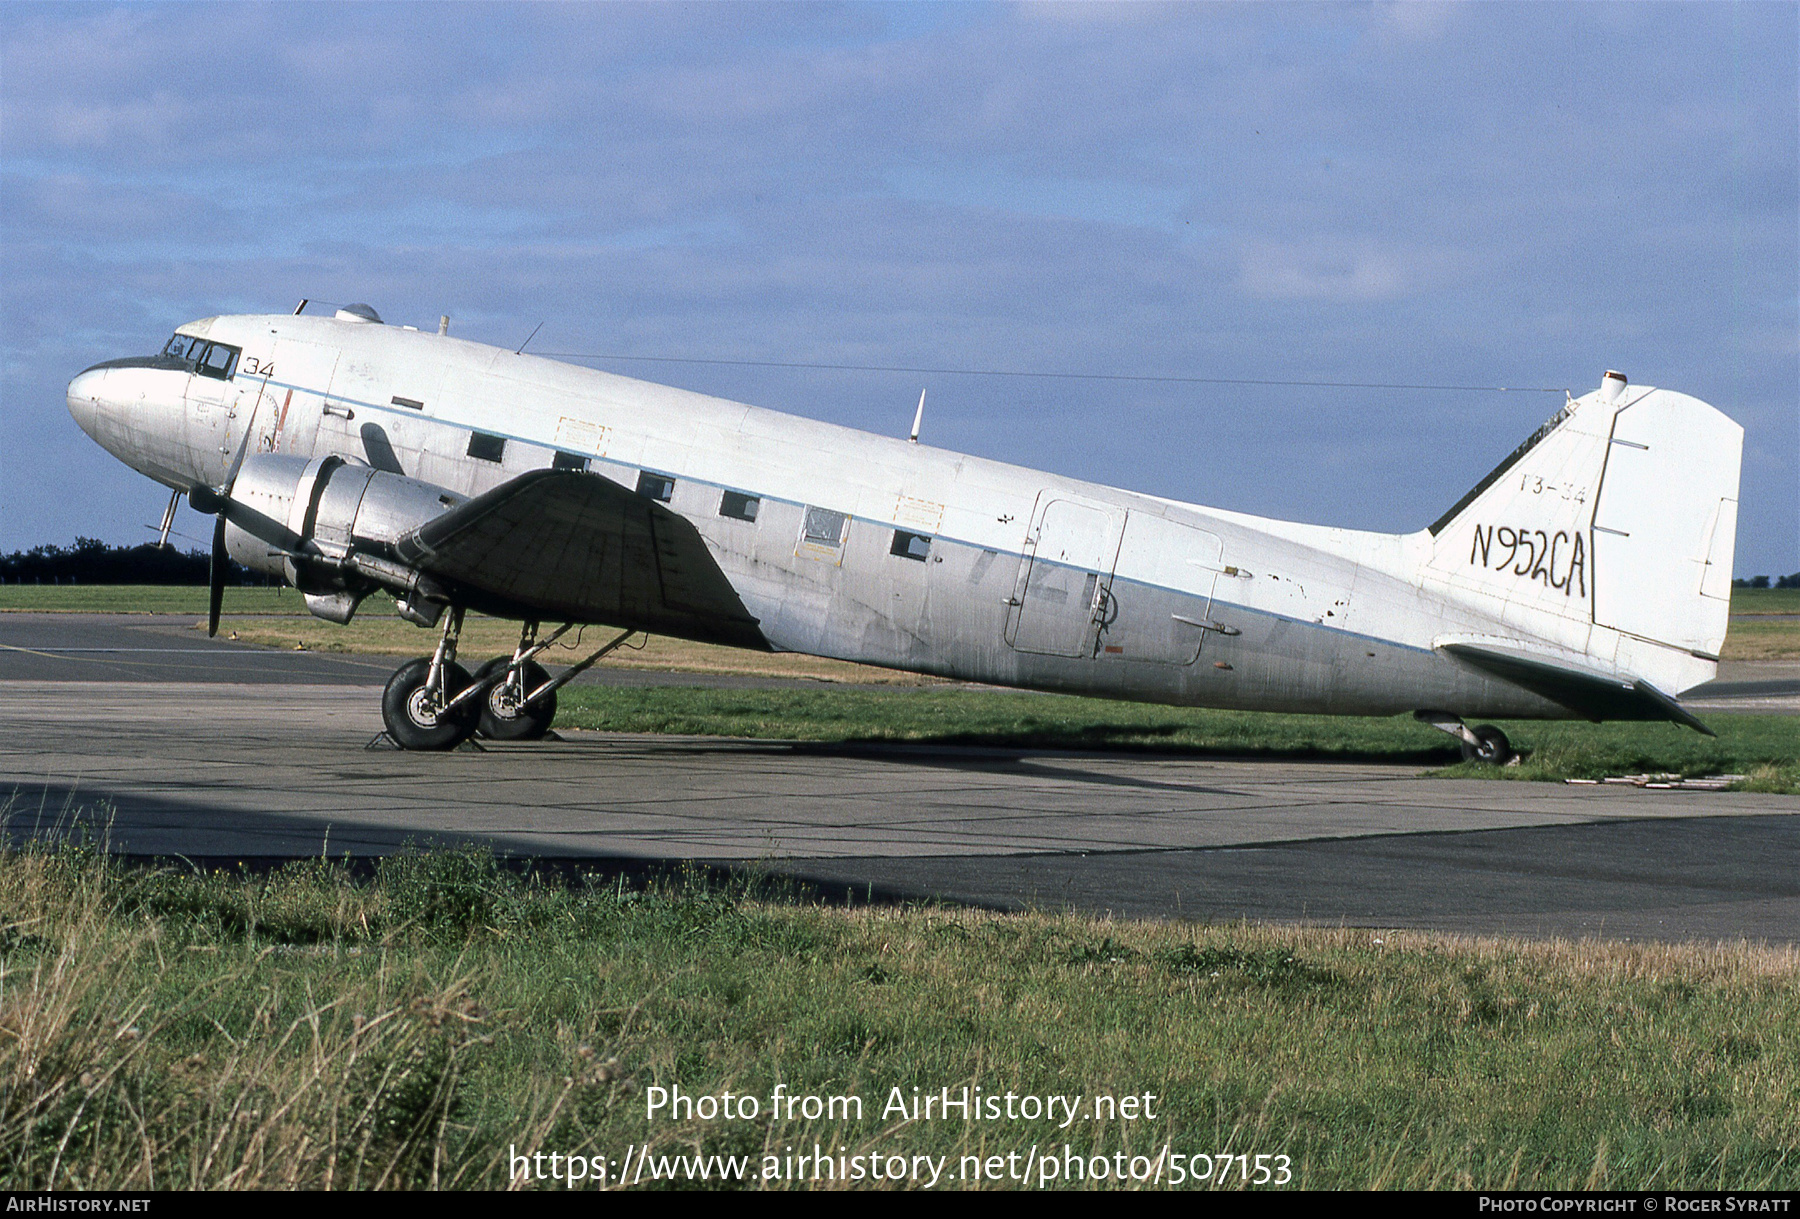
1594	695
575	545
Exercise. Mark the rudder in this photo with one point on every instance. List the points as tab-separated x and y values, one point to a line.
1665	528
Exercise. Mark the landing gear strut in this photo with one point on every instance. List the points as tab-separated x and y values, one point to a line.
433	703
1484	744
423	706
508	712
517	698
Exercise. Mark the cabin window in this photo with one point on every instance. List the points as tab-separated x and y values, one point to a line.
655	486
823	527
911	545
738	506
217	361
485	447
568	461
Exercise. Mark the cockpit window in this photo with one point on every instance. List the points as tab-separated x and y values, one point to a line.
217	361
214	360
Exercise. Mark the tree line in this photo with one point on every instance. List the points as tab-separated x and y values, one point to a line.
91	561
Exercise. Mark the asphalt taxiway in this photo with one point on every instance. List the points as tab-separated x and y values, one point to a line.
169	744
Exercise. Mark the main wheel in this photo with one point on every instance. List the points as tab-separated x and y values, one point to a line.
417	721
1491	746
502	719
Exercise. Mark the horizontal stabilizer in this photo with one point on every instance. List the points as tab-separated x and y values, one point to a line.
1593	695
577	546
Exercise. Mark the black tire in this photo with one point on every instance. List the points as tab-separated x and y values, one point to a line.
412	723
1491	746
500	719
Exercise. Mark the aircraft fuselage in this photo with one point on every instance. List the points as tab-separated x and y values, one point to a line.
867	548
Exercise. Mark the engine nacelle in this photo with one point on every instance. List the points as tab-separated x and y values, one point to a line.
327	525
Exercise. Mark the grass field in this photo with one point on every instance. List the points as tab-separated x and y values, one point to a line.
1754	637
1758	632
1765	601
164	1029
143	599
1765	748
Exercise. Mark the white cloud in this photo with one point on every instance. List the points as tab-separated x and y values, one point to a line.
1417	20
1354	269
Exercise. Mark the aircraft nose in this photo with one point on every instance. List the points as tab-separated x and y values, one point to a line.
84	399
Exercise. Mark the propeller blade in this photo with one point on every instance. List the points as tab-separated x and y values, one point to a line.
221	501
237	462
220	562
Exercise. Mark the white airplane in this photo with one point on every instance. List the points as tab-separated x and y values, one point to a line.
1587	577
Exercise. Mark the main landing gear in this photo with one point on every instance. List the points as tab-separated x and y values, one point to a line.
1484	744
433	703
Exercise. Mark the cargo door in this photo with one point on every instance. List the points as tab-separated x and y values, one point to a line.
1063	577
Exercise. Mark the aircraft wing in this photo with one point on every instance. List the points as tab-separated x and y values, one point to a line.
572	545
1587	692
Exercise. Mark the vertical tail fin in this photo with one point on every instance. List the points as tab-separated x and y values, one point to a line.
1620	512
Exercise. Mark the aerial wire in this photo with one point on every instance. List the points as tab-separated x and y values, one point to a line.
1070	376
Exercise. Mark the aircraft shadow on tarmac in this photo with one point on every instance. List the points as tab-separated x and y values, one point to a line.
1714	877
987	760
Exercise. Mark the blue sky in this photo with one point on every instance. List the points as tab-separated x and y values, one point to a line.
1474	195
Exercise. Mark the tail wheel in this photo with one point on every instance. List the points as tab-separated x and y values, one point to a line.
1490	746
416	719
502	718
